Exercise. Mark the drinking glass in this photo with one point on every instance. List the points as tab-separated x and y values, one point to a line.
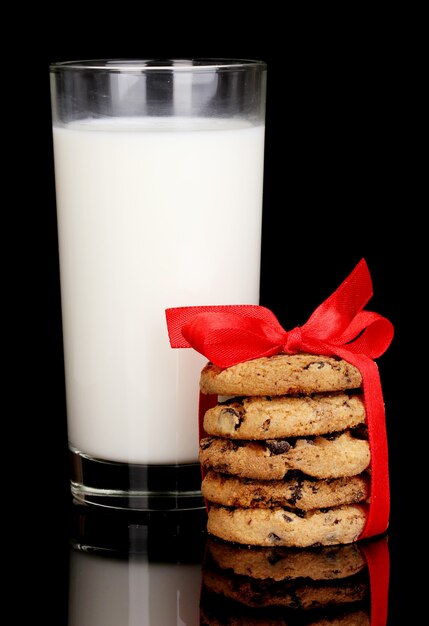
159	179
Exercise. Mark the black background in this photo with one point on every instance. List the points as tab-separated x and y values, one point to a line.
332	180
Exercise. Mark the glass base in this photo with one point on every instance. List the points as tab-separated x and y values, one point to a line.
135	487
160	536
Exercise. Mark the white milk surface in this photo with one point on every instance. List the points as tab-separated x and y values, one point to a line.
150	216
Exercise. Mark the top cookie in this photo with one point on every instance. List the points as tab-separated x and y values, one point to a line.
281	374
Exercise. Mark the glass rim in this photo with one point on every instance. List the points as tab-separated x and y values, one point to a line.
150	65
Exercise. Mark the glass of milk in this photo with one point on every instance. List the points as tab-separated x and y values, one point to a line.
159	172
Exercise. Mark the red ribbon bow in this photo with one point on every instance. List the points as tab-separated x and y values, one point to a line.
228	335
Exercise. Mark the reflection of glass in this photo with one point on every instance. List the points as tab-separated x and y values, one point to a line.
338	585
110	591
134	570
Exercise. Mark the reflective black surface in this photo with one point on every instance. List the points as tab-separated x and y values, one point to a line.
113	568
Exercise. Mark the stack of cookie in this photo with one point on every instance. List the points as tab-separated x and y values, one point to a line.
286	454
279	585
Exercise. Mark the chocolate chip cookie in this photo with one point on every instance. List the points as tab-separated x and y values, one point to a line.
330	456
283	527
270	417
296	491
281	374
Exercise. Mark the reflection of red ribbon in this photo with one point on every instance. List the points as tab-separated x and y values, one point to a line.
378	562
228	335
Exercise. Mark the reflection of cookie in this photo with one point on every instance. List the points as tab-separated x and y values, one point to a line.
299	491
281	374
267	593
282	527
327	563
284	416
332	456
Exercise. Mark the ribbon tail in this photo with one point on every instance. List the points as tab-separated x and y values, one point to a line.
332	317
379	508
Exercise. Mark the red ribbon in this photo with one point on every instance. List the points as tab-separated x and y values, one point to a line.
227	335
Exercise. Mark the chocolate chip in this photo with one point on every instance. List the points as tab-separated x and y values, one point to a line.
273	537
319	364
287	518
231	411
266	424
257	496
296	492
278	446
237	414
274	557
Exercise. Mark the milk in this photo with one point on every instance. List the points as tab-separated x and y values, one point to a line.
152	213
